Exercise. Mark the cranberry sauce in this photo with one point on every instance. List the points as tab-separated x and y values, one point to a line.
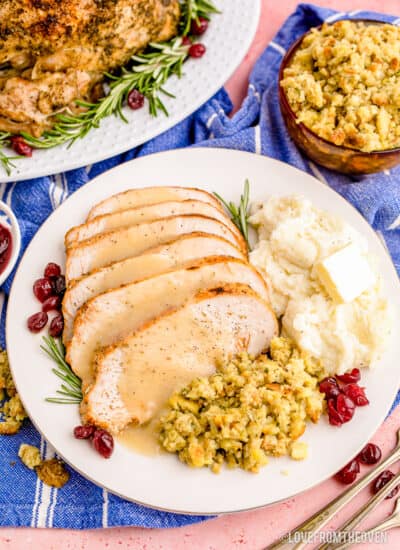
5	247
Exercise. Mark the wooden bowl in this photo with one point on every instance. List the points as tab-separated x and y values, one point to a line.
335	157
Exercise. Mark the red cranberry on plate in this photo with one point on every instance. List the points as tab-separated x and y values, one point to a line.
370	454
84	432
349	473
186	41
199	27
103	442
52	270
20	146
329	387
56	326
53	303
197	50
382	480
37	321
356	394
335	418
350	377
58	284
135	100
43	289
345	407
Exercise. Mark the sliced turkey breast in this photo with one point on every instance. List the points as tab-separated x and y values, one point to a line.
142	214
125	243
155	261
135	377
112	315
150	195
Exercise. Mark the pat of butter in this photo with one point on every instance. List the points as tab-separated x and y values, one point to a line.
345	274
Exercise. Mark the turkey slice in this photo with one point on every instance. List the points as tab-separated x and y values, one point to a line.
125	243
183	251
150	195
105	319
135	376
142	214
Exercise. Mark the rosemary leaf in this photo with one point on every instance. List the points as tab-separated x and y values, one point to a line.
63	401
239	214
5	160
71	389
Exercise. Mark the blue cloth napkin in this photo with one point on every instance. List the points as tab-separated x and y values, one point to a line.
257	127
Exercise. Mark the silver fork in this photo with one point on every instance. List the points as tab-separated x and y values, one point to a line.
312	525
389	523
362	513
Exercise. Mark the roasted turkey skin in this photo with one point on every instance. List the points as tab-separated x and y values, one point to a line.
53	52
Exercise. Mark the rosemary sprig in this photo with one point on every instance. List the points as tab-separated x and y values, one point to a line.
147	74
193	10
70	391
5	160
240	214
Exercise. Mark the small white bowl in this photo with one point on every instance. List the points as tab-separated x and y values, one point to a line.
10	221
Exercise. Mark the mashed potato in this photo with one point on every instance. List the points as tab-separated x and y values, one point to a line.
293	237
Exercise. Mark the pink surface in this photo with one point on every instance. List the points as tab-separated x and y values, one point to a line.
250	530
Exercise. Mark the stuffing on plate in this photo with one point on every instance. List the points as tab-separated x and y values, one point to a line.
343	83
323	282
248	410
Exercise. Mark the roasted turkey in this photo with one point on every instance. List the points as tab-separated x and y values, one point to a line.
53	52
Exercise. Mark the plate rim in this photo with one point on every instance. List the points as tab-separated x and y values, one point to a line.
201	100
216	151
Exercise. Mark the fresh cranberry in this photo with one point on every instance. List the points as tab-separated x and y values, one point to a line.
58	284
37	321
371	454
20	146
103	442
197	50
349	377
356	394
335	419
84	432
329	387
52	304
56	326
135	100
186	41
43	289
199	27
382	480
345	407
349	473
52	270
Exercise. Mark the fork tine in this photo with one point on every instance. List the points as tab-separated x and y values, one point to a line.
321	518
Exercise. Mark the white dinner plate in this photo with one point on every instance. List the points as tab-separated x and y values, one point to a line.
162	481
227	40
